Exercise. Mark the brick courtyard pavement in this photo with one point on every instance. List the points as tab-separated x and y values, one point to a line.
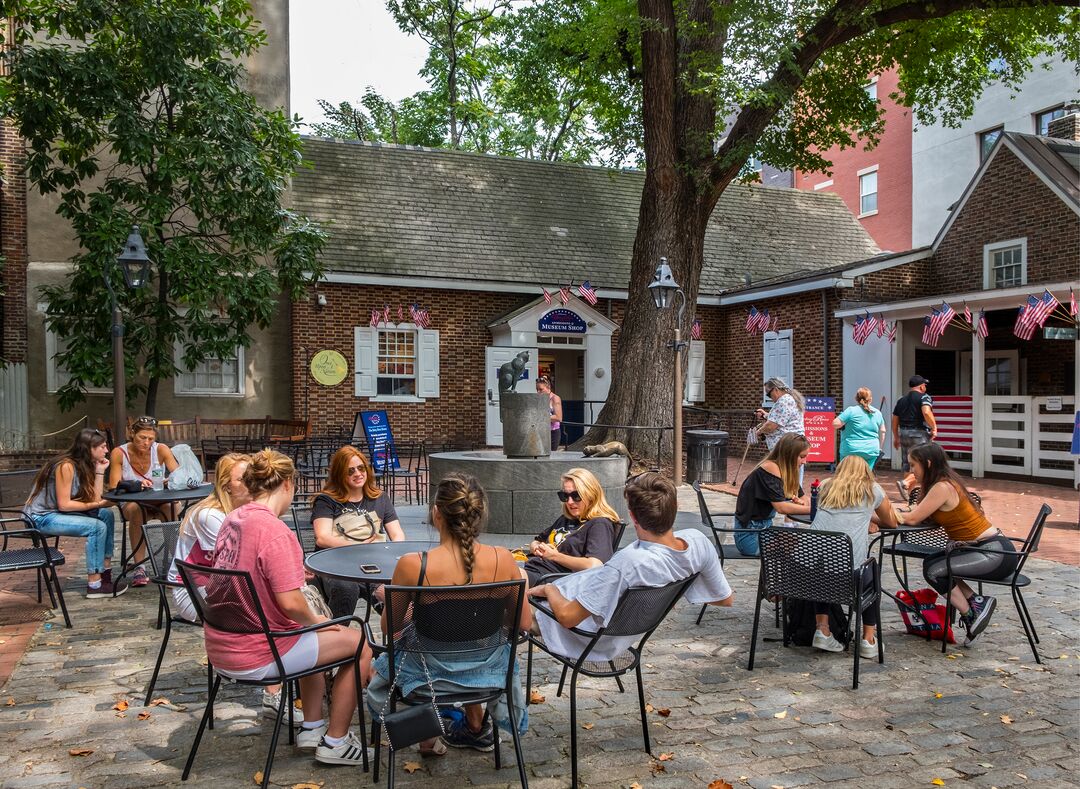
984	716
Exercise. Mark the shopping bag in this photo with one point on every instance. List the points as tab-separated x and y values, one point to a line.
923	615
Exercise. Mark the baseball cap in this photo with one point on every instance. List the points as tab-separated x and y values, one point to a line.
917	380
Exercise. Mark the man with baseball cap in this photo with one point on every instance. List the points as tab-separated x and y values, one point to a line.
913	420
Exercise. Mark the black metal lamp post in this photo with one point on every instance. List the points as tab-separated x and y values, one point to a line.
135	268
664	288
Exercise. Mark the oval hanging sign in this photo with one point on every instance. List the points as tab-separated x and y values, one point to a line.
561	321
329	368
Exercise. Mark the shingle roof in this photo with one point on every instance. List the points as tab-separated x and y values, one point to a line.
1053	159
404	211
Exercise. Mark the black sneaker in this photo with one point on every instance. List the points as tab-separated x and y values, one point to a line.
978	617
459	735
107	589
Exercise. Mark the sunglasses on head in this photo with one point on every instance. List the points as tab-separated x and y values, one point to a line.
145	421
571	496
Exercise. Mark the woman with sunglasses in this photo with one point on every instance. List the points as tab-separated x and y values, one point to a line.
65	500
351	508
580	538
137	460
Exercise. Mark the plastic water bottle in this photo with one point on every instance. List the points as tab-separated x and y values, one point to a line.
813	498
157	476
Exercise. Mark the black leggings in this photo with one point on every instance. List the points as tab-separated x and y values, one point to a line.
972	564
869	617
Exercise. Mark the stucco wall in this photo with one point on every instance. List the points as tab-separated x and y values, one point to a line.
944	159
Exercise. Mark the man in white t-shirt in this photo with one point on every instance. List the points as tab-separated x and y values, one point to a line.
659	556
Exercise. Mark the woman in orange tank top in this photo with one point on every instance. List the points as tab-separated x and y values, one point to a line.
946	502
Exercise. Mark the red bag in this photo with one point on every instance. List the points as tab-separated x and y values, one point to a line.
928	616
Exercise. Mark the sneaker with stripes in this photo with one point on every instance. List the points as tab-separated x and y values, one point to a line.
351	751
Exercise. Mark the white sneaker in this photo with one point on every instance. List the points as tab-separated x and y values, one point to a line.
309	739
270	702
349	752
868	649
827	643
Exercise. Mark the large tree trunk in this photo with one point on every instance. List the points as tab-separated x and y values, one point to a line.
676	203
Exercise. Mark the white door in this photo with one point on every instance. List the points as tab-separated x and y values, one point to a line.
495	358
1002	373
869	365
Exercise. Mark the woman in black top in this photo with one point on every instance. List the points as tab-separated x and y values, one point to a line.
770	488
351	508
580	538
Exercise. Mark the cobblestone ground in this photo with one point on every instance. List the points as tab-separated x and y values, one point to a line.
984	716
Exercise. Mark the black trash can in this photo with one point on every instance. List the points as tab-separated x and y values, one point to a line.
706	455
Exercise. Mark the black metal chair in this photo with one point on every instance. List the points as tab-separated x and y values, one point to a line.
620	528
917	545
39	556
450	622
226	601
639	613
1015	582
411	472
161	539
809	564
725	550
305	532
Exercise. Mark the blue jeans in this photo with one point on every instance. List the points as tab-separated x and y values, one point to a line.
747	543
97	531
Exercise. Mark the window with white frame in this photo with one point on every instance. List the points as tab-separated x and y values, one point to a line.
397	362
868	191
778	361
1005	264
56	375
986	141
216	377
871	90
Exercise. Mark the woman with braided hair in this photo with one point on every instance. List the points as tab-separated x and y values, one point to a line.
458	512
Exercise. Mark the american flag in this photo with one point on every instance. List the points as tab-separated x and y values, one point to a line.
882	327
892	332
929	336
425	318
547	296
751	320
1024	327
1072	303
695	330
1043	307
585	290
871	324
775	322
981	328
857	331
564	294
376	316
943	319
763	321
386	313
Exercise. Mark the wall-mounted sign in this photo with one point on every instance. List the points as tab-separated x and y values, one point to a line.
561	321
1058	333
329	368
817	420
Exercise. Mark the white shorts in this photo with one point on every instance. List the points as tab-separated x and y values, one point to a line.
303	656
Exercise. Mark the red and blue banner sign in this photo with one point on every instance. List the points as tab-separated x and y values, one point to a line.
817	421
561	321
380	439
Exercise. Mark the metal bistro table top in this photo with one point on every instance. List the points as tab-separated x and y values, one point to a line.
163	496
344	561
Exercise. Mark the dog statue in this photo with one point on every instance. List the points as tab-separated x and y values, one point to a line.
510	373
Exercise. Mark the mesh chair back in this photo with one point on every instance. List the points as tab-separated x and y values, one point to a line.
161	541
620	528
451	620
643	608
808	564
1031	542
305	531
15	487
225	599
703	508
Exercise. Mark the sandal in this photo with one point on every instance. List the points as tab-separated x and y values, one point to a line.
438	748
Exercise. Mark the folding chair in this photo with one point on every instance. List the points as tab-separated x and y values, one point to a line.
816	565
639	612
226	601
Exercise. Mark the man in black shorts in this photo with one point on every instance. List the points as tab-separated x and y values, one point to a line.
913	422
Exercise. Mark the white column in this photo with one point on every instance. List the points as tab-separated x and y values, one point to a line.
978	411
898	388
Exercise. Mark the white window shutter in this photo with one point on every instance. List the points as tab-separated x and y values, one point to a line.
427	384
367	360
695	374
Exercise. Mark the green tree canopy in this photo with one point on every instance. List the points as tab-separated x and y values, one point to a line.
136	112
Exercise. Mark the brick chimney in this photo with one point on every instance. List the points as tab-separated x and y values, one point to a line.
1067	127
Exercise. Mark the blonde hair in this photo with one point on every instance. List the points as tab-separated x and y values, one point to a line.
865	398
851	486
785	454
267	471
220	498
593	502
463	505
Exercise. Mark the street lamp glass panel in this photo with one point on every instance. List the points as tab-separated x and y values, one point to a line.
134	261
663	287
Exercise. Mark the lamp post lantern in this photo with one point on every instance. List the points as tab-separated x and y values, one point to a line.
664	288
134	265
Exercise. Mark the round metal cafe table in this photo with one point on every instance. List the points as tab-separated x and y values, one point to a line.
344	561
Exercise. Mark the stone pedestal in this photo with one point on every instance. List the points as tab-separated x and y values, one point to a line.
522	492
526	423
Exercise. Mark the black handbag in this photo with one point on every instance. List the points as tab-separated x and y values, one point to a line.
128	486
414	723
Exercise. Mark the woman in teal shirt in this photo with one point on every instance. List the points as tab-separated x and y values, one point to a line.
862	428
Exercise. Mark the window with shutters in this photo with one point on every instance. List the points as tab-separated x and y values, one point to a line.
396	362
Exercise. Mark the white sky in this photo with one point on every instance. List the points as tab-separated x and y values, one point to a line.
338	47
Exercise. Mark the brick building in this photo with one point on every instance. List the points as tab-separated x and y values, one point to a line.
475	240
1006	404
